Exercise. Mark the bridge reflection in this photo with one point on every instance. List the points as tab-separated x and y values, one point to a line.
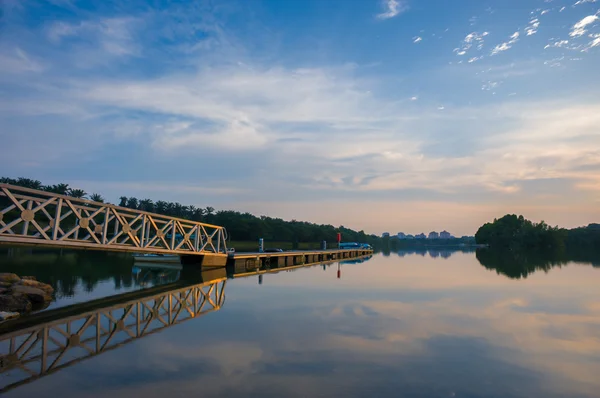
44	343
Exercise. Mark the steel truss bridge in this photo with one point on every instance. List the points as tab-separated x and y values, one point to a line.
47	342
33	217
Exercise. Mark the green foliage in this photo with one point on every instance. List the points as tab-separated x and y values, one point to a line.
518	233
96	197
513	231
584	237
518	264
240	226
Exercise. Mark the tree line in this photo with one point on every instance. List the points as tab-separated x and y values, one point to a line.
516	232
240	226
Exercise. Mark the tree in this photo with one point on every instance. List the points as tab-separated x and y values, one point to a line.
61	189
96	197
160	207
146	205
132	203
515	232
77	193
123	201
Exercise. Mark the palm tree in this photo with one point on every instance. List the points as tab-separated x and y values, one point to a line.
77	193
178	209
29	183
96	197
61	189
132	203
146	205
160	207
198	214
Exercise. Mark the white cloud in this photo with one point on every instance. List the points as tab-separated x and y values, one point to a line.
414	98
507	45
579	2
533	26
417	39
392	8
472	39
559	44
579	28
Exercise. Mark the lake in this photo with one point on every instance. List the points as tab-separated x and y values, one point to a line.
413	323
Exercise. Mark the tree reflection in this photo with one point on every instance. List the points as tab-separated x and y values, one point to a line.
517	264
67	271
434	252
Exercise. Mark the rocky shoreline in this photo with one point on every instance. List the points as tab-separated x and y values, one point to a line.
21	295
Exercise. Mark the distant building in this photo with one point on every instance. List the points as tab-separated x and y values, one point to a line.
420	236
385	235
445	235
434	235
401	235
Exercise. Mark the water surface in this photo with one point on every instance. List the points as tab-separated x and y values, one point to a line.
433	323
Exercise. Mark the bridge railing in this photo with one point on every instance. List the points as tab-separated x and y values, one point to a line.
72	336
29	216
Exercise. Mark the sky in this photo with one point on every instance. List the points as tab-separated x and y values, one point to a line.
395	115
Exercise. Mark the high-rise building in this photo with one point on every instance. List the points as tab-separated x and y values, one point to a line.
445	235
434	235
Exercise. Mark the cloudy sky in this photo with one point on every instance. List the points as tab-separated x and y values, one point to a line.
390	115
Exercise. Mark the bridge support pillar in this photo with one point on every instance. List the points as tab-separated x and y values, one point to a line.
205	260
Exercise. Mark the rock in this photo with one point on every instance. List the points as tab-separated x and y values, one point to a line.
40	306
4	290
38	285
5	284
10	278
5	315
34	294
30	278
15	303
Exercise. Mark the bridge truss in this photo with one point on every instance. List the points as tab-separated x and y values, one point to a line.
33	217
36	351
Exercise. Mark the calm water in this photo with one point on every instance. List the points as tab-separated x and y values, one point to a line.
411	324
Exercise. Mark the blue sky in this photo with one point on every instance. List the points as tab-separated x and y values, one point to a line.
378	115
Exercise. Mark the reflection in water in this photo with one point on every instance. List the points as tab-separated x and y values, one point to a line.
416	326
71	273
38	345
66	271
518	264
434	252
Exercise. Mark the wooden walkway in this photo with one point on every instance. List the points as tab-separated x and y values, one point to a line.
252	261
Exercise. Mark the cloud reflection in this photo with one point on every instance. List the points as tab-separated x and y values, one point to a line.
391	326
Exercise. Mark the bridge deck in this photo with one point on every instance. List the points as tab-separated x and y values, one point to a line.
272	260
